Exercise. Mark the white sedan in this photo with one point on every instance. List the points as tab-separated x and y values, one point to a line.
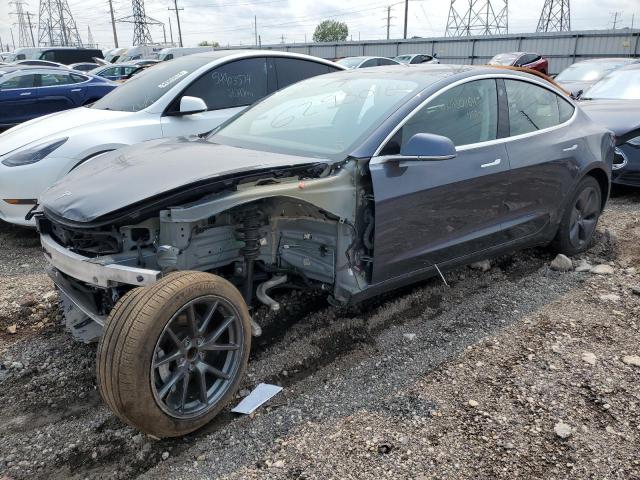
187	96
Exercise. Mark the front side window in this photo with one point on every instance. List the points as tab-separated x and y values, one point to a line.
234	84
292	70
372	62
19	81
532	107
465	114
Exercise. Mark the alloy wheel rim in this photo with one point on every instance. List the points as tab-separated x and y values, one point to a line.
584	217
197	357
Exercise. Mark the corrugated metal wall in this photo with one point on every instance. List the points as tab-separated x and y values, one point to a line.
562	49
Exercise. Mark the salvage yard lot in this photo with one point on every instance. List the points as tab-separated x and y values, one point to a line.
517	371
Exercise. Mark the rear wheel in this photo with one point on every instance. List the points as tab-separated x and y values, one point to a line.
172	355
580	219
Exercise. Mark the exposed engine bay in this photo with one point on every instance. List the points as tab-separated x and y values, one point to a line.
293	232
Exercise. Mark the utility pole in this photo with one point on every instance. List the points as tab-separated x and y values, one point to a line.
33	40
171	32
255	28
406	16
13	41
177	10
389	21
615	19
164	33
113	24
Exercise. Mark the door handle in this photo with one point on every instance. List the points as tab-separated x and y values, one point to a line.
571	148
25	94
76	89
491	164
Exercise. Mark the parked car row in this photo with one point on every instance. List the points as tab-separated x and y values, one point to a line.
172	206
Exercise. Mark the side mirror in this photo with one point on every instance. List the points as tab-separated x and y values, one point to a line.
427	146
191	105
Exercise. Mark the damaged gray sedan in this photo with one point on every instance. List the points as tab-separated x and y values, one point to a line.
353	184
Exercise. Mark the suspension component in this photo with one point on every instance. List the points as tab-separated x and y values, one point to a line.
250	234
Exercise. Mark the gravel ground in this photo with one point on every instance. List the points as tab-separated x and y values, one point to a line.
519	371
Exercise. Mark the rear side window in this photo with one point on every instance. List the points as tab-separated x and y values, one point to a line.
386	61
55	79
466	114
533	108
20	81
292	70
565	109
235	84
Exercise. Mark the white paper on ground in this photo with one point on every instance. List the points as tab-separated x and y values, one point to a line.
260	395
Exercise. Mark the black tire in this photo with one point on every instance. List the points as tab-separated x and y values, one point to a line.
162	366
580	218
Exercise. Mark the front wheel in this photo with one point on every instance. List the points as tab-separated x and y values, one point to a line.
172	355
580	218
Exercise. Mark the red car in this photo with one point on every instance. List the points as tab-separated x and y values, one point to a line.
522	59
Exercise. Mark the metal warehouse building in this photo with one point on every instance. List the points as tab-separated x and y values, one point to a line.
561	48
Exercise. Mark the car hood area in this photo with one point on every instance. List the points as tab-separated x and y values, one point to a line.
154	171
619	116
55	126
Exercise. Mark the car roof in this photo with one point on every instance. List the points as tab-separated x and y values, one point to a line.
218	54
609	59
428	74
20	68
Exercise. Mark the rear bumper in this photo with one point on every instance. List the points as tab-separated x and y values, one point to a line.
95	271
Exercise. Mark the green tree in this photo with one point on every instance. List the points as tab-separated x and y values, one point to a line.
205	43
331	31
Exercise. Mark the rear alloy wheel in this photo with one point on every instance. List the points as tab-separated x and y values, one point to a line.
173	354
580	219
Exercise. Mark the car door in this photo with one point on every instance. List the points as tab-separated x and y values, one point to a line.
431	212
226	89
543	150
58	91
18	102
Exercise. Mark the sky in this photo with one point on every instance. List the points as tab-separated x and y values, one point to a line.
232	21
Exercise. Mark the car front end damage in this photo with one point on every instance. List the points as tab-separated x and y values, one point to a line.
296	227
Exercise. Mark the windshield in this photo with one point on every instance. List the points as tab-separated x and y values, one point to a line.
504	59
147	87
587	72
617	85
324	116
350	62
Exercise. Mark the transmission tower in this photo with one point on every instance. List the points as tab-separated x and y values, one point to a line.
555	16
90	42
477	17
25	34
56	25
141	33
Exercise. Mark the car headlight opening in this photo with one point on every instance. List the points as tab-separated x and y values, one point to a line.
619	159
33	154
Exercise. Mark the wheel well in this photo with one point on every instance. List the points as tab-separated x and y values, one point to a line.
603	180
